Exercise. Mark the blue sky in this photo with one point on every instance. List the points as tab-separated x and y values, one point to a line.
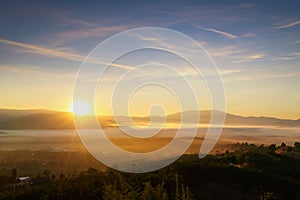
255	44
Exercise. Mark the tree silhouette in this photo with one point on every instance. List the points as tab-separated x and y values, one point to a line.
14	174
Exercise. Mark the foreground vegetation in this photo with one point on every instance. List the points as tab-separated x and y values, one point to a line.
249	172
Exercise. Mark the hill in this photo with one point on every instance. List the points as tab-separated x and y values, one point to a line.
55	120
8	114
47	119
248	172
231	119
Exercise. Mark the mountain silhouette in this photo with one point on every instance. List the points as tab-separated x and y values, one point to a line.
48	119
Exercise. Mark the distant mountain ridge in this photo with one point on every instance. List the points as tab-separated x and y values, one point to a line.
48	119
55	120
231	119
7	114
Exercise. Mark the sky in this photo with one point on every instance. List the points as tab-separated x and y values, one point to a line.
255	45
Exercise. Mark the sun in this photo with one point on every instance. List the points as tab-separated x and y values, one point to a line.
81	108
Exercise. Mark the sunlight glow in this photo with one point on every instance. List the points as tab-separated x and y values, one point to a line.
81	108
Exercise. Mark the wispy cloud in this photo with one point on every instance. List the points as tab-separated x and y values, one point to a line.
37	71
224	52
295	53
225	72
44	51
283	58
90	32
255	56
248	35
234	54
289	56
259	74
291	24
270	74
10	68
29	48
250	58
226	34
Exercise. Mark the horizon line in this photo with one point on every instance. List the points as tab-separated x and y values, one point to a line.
99	115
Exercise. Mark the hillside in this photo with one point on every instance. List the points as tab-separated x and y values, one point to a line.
55	120
231	119
8	114
46	119
248	172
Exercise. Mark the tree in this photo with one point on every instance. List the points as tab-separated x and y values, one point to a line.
53	178
150	193
46	173
267	196
62	177
272	147
297	146
14	173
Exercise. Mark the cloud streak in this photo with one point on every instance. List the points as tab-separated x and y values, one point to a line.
44	51
226	34
35	71
90	32
250	58
291	24
29	48
254	74
289	56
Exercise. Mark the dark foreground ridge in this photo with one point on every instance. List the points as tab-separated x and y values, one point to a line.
249	172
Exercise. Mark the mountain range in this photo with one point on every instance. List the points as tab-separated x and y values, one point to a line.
47	119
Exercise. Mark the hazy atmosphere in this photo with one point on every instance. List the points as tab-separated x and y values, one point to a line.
255	44
151	100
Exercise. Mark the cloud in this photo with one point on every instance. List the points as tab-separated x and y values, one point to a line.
291	24
90	32
29	48
249	58
226	34
255	56
258	74
37	71
270	74
44	51
225	72
9	68
224	52
234	54
81	22
295	53
289	56
282	58
248	35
